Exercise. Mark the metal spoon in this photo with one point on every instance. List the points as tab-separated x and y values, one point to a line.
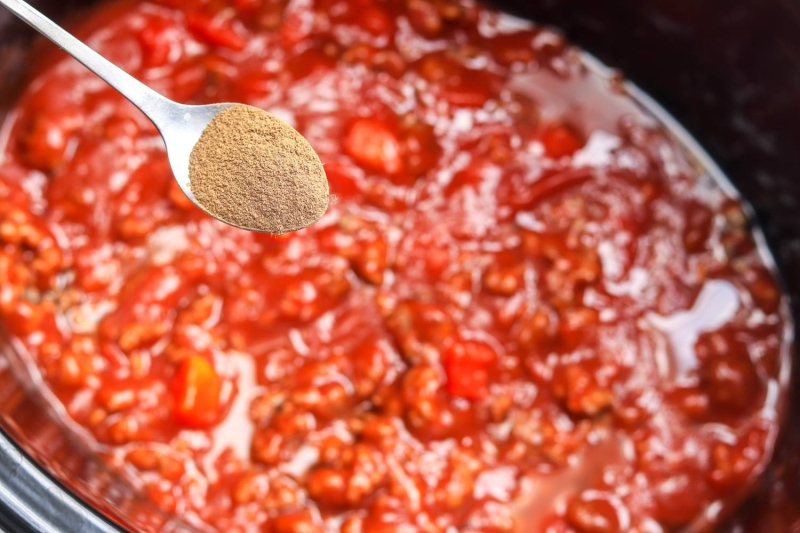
180	125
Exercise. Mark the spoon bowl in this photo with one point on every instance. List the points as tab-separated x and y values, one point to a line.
181	126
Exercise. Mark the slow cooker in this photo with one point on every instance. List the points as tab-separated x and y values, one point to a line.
730	75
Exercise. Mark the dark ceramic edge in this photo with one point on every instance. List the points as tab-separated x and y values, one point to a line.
32	501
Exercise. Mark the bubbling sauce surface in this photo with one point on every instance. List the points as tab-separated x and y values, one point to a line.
529	309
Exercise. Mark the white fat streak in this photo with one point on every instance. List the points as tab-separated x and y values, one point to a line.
236	431
599	150
302	461
297	342
498	483
166	243
716	304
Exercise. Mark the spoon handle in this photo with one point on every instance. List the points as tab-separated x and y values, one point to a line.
140	95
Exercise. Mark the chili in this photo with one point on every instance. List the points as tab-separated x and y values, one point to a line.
529	308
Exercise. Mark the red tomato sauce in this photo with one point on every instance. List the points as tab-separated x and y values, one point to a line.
528	309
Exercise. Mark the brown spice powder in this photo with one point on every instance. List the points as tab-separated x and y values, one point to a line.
252	170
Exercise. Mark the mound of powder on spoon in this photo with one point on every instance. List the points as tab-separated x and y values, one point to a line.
253	170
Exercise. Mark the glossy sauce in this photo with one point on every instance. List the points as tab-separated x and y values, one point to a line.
528	308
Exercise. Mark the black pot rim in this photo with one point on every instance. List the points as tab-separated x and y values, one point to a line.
30	500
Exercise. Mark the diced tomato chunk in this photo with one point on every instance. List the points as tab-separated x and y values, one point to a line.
465	95
196	389
472	177
246	6
294	27
371	143
170	3
156	39
375	21
308	62
44	146
560	141
422	149
467	365
343	182
214	31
